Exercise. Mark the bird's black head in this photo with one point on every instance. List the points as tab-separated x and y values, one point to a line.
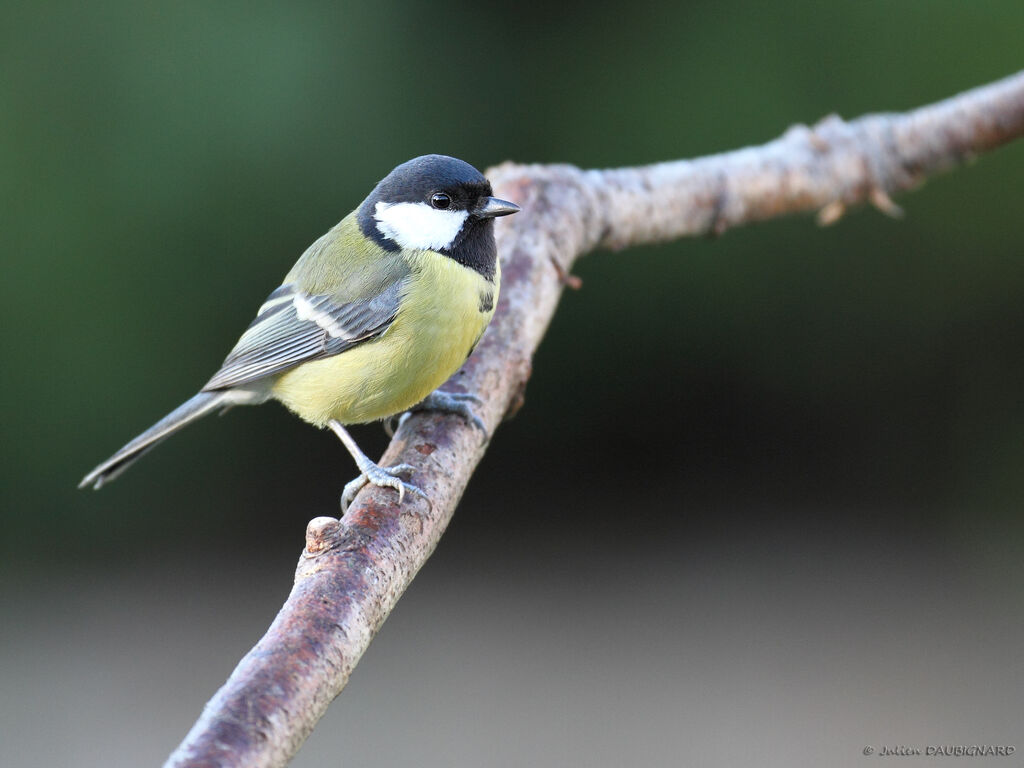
436	203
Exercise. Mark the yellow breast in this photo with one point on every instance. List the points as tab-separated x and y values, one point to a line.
443	314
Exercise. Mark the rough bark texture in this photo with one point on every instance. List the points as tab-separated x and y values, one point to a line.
352	572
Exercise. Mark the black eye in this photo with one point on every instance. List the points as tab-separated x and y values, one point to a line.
440	200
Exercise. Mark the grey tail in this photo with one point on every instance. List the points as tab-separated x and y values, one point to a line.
184	414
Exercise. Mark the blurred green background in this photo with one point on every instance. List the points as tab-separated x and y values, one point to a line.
809	436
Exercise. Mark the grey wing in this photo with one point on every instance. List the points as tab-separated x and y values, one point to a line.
294	327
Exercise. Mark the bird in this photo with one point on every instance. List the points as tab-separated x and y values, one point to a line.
374	316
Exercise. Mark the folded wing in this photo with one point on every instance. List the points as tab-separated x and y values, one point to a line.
294	327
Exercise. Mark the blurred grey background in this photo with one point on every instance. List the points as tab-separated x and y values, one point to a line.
763	504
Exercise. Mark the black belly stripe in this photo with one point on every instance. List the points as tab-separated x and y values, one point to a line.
486	302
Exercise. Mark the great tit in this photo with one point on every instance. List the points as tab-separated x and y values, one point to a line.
373	317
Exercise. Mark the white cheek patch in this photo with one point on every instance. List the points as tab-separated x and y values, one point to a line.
418	226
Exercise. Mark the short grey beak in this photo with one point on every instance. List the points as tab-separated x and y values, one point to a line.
492	207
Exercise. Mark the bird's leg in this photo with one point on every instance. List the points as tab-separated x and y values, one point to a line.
370	472
392	423
452	402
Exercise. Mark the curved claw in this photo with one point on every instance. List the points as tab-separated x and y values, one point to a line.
349	492
392	423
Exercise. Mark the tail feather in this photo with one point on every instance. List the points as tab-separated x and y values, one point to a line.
184	414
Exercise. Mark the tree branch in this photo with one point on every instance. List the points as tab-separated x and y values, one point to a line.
353	571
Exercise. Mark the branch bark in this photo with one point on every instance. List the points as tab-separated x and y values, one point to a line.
353	571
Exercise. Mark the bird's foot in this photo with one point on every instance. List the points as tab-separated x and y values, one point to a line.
453	402
371	473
